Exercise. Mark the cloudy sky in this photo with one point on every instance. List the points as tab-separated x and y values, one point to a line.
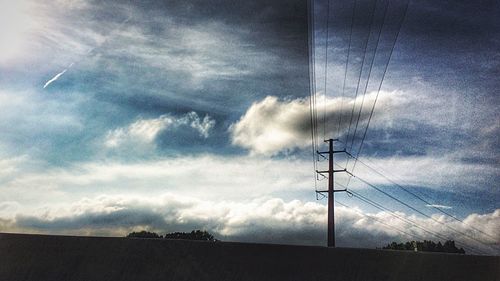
180	115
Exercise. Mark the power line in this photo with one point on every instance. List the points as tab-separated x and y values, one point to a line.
346	68
313	102
312	85
424	201
370	72
420	212
326	66
400	24
379	220
364	136
314	114
362	66
413	223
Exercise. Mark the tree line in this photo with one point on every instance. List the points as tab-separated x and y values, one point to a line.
200	235
426	246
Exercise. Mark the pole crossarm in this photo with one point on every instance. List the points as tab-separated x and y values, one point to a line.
328	152
320	153
338	190
335	171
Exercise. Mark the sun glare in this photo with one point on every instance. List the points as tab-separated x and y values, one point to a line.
14	24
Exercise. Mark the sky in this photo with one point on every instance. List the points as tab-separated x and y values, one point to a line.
180	115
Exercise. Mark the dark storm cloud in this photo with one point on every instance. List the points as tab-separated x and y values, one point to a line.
460	37
446	53
454	19
277	17
457	40
264	43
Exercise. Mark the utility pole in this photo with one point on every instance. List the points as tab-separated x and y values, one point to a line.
331	215
331	190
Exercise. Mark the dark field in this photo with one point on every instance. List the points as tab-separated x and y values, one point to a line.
59	258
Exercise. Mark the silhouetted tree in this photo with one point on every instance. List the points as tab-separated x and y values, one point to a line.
449	247
426	246
439	247
193	235
144	234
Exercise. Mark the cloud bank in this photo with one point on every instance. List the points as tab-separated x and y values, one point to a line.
271	220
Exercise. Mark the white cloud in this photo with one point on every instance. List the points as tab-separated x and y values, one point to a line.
205	176
141	131
198	52
15	23
10	166
220	177
260	220
430	171
201	53
145	131
203	126
238	198
8	209
272	125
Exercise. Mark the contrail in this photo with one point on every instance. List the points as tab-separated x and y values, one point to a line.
91	50
438	206
57	76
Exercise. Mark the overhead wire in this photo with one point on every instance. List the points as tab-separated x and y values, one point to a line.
372	18
312	86
327	39
425	201
420	212
346	69
315	93
400	24
369	72
314	113
314	90
406	220
411	222
379	220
